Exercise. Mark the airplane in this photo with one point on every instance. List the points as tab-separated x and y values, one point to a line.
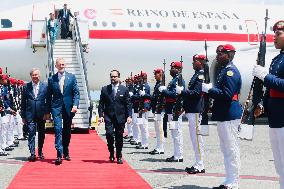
131	36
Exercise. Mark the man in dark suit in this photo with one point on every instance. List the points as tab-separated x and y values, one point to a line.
115	110
63	101
33	111
64	18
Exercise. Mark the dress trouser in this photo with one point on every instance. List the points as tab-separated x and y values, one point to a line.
114	129
64	28
130	127
194	120
176	132
143	125
158	124
135	128
4	128
33	125
62	134
229	143
277	141
10	130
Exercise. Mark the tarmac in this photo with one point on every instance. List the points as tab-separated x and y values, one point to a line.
257	164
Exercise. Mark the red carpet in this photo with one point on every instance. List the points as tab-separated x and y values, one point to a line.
89	168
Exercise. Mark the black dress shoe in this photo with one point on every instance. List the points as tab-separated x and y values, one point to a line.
135	143
14	145
67	158
126	137
41	156
58	161
155	152
220	187
193	170
16	142
119	161
111	158
172	159
9	148
3	154
32	158
141	147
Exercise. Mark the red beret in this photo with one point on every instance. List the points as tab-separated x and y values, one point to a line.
12	81
176	64
226	48
1	71
278	25
158	70
143	74
135	77
4	76
199	56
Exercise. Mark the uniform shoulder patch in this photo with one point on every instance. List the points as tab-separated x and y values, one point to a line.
230	73
201	77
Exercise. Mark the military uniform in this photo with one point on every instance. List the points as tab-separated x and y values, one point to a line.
175	126
227	111
145	97
274	101
157	103
135	106
130	125
194	106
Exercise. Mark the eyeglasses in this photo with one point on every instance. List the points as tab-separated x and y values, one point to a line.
113	76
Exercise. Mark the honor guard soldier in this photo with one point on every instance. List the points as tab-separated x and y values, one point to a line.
171	102
274	99
143	110
129	85
194	106
135	106
227	111
158	109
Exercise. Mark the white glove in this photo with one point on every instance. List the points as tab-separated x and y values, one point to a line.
142	93
259	72
130	93
179	89
206	87
161	88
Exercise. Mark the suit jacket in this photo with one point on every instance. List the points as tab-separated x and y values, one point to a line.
118	107
31	106
61	14
69	98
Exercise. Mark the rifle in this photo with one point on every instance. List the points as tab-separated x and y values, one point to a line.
177	109
256	89
204	120
2	113
141	99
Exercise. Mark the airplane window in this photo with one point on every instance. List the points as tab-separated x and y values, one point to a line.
183	26
140	24
104	24
224	27
216	27
240	27
131	24
95	23
208	26
158	25
6	23
149	25
113	24
199	26
174	25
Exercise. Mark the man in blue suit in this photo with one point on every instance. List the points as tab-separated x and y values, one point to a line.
64	18
115	110
63	101
33	111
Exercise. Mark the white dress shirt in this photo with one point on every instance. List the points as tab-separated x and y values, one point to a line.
35	88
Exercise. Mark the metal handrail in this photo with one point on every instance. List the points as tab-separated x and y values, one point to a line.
77	39
49	52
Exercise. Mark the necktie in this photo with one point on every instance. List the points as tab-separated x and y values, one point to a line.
61	83
113	92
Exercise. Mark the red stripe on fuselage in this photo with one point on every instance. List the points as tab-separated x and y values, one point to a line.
149	35
19	34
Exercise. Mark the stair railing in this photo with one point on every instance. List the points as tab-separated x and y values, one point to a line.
82	61
50	63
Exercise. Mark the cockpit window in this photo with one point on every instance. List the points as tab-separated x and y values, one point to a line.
6	23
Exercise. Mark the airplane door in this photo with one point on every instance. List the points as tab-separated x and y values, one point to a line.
252	30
